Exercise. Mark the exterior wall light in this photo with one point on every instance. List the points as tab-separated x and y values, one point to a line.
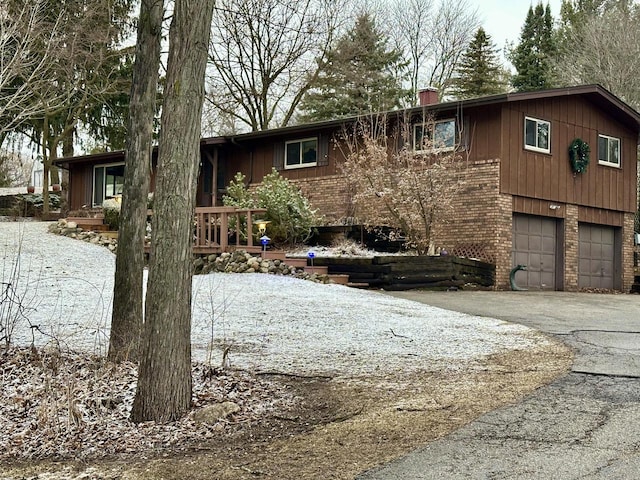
262	226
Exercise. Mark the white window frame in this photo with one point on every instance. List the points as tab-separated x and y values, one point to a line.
93	181
300	164
432	125
536	148
607	162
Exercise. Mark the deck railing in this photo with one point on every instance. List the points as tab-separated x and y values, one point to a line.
220	229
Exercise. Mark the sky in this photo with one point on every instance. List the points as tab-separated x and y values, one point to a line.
503	19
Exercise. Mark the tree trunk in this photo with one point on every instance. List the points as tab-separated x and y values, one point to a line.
126	320
46	166
164	379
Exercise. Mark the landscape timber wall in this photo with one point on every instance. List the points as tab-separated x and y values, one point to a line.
405	272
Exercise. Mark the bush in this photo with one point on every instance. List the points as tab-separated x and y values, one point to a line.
289	212
30	205
111	209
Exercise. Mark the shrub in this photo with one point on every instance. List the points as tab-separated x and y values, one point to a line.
30	205
289	212
111	209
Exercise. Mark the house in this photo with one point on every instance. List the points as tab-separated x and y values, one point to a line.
523	202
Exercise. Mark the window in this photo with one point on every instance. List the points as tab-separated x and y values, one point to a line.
537	135
609	150
301	153
440	135
107	182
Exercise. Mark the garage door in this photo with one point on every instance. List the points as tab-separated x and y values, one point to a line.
534	245
596	254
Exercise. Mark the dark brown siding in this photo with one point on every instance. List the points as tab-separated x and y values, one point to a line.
80	182
484	126
601	217
533	206
549	177
255	160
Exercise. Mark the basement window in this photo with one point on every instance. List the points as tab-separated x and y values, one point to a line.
537	135
609	151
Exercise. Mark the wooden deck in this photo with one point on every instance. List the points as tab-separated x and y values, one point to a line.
224	229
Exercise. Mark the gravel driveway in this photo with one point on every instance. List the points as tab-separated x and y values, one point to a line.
271	323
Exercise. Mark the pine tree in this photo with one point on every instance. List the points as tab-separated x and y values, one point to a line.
534	55
360	75
480	72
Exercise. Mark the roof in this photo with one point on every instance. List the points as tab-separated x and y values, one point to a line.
594	93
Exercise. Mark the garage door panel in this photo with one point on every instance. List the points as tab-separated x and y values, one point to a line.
535	243
596	251
535	246
548	228
548	244
521	242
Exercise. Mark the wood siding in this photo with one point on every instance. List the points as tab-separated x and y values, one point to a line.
256	159
549	176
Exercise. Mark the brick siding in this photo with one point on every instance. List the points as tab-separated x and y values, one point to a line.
627	251
571	243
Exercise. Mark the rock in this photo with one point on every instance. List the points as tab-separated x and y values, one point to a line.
199	262
73	225
211	414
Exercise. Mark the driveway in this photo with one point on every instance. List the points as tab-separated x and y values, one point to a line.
585	425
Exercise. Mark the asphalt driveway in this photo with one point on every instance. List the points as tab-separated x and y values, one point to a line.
585	425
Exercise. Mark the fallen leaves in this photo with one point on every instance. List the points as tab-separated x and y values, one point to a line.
77	406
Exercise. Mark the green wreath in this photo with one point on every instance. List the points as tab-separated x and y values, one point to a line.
579	155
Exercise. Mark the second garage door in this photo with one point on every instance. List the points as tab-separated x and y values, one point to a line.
534	245
596	256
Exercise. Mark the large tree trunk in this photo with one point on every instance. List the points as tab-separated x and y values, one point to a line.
164	378
126	320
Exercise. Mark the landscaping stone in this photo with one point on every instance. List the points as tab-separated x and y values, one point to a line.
227	262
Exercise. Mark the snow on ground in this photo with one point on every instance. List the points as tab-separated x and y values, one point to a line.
269	323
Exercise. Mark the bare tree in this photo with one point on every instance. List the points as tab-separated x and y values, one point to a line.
126	320
14	169
84	72
606	50
433	37
164	379
29	44
397	184
263	56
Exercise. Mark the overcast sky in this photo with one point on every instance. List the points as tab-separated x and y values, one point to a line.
503	19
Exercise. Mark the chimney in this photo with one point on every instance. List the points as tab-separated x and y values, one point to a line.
428	96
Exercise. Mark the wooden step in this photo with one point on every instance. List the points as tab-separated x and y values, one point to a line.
273	255
339	279
316	270
94	227
98	220
296	262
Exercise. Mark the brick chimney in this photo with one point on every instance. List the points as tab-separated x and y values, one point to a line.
428	96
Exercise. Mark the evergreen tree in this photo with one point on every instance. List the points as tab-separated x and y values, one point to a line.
534	55
480	72
359	75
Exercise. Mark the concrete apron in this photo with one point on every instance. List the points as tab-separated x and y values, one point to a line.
586	425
